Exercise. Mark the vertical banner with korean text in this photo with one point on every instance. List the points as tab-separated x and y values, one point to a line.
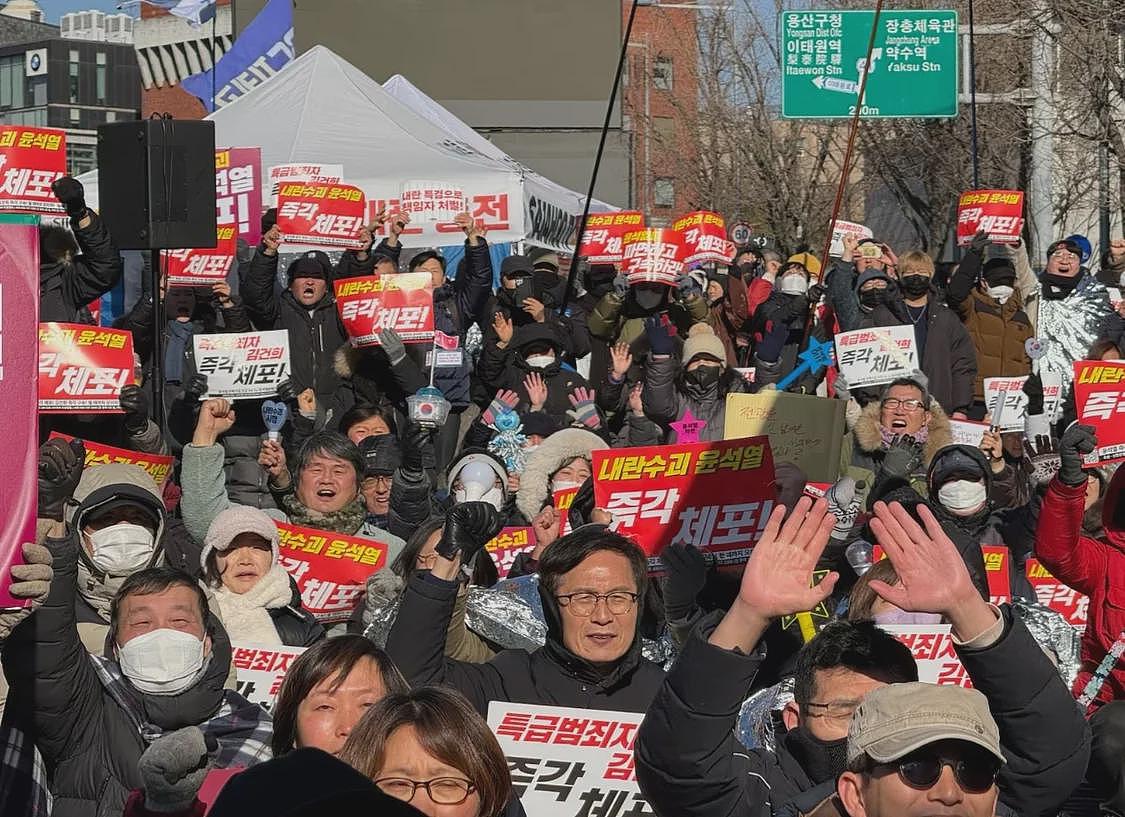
603	239
31	159
704	236
238	192
998	212
330	569
403	302
566	761
322	216
1098	398
241	366
19	372
714	495
83	368
876	356
260	669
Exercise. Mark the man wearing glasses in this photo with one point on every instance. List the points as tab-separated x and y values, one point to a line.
1074	308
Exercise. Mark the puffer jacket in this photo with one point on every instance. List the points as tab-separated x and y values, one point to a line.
862	452
667	400
67	287
506	369
551	455
1093	567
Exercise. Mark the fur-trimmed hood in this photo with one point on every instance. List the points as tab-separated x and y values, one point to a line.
870	441
555	452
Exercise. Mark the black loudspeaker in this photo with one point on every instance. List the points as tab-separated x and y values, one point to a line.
156	183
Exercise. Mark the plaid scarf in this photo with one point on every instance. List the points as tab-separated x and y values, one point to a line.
243	730
348	520
23	776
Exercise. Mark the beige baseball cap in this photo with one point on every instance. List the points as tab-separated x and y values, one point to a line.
893	721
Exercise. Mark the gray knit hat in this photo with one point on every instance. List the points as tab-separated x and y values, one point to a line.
235	520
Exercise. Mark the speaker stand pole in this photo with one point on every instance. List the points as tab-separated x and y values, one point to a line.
157	371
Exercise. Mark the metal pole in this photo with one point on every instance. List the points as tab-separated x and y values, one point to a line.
597	162
214	62
157	373
973	97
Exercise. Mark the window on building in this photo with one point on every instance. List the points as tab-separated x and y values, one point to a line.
111	116
73	80
662	73
100	78
39	91
12	83
664	127
75	115
663	193
80	158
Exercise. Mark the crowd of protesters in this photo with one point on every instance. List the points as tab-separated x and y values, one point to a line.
120	683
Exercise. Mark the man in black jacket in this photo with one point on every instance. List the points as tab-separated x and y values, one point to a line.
592	583
688	761
68	282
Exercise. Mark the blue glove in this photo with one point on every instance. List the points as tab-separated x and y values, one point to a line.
769	347
659	335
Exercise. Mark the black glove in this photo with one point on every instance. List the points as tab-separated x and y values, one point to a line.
687	574
415	439
816	292
903	456
979	242
135	402
60	469
1076	441
582	506
287	391
659	336
798	308
195	387
68	190
468	527
1033	388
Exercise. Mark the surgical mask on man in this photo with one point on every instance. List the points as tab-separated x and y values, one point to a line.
794	285
163	662
540	361
963	495
476	482
1001	293
121	549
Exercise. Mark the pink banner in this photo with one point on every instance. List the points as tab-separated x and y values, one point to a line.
19	375
238	191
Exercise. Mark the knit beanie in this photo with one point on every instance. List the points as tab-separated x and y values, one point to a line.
997	271
703	341
235	520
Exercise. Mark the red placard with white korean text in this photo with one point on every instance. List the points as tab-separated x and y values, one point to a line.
83	368
1100	401
603	240
508	544
653	256
202	266
321	215
998	572
562	500
238	192
932	648
1050	592
158	466
998	212
402	301
31	159
704	237
715	495
330	569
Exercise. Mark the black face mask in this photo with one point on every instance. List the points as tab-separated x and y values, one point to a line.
915	286
749	270
1058	286
704	376
822	760
871	298
648	298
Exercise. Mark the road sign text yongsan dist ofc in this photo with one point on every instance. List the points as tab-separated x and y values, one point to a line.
913	73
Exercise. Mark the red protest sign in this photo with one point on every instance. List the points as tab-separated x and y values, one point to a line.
31	159
330	569
202	266
562	500
705	238
1098	386
321	215
998	212
158	466
403	302
83	368
508	544
238	192
603	239
653	256
997	570
1050	592
714	495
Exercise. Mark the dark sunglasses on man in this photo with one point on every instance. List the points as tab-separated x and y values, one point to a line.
975	769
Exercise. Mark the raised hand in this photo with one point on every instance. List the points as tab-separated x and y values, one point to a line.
60	469
503	329
1077	440
393	345
585	410
534	307
636	399
621	359
536	391
216	417
271	456
504	401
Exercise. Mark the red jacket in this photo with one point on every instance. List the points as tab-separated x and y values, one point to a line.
1094	567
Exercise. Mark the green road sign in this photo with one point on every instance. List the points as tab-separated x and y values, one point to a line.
914	64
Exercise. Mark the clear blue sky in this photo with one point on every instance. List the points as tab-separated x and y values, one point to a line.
53	9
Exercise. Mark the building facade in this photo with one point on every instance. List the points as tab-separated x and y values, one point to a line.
169	49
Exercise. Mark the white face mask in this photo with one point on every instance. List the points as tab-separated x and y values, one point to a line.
162	662
121	549
794	285
540	361
478	484
963	496
1001	293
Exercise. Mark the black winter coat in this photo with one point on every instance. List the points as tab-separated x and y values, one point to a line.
506	369
690	764
296	626
67	287
550	675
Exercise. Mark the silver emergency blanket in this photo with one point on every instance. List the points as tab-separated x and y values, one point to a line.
1055	635
1070	325
757	717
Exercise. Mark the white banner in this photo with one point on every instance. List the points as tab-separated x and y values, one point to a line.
966	432
241	366
260	669
301	172
843	228
1014	410
429	202
566	761
876	356
932	647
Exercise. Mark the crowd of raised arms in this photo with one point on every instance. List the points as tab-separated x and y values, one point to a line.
784	683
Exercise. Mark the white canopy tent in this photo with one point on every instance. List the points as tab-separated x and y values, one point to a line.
320	108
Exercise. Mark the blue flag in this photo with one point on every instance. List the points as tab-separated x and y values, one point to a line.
263	49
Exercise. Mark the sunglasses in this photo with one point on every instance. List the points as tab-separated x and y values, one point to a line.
974	771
